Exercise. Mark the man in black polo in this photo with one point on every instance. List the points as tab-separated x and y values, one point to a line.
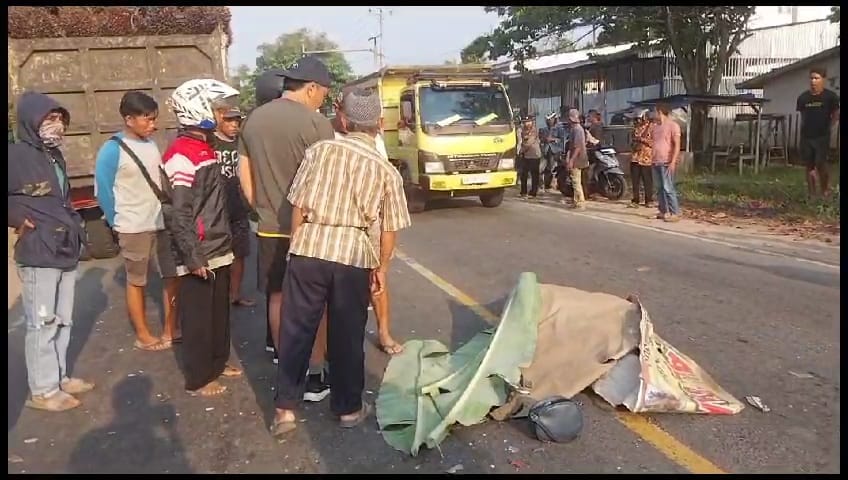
819	109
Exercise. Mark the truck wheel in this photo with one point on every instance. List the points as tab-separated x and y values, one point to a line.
99	240
492	200
416	202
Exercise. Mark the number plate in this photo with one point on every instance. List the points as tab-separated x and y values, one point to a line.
480	179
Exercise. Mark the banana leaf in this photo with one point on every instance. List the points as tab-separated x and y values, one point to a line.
426	389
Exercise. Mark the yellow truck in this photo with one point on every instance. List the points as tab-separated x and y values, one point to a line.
448	129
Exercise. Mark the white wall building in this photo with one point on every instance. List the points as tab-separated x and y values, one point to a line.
782	86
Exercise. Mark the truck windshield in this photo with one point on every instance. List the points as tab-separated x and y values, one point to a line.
478	108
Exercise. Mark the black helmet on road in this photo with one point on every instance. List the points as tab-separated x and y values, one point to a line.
269	86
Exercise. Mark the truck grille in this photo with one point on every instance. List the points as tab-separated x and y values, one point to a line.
472	163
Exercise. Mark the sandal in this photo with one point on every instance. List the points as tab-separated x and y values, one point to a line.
280	428
76	386
154	346
231	372
391	349
360	417
58	402
243	302
211	389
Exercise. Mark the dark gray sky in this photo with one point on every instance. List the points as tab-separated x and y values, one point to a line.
412	34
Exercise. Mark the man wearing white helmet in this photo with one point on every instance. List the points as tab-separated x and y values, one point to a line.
552	136
201	231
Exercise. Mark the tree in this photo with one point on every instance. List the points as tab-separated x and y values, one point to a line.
285	51
834	15
702	38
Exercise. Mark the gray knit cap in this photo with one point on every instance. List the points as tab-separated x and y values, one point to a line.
362	107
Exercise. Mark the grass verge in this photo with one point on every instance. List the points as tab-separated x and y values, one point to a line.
778	193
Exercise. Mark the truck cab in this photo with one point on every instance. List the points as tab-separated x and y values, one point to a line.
449	130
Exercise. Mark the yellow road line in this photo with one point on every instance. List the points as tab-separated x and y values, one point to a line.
663	441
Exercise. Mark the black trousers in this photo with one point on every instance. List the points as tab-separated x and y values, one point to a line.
204	313
551	159
310	284
529	167
641	175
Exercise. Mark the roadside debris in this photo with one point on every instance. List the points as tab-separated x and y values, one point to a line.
209	409
15	458
31	440
517	464
512	449
643	269
801	375
757	403
456	468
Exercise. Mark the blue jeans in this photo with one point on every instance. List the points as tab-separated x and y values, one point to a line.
48	303
666	192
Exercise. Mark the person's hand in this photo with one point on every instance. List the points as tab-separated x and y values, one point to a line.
27	225
202	272
378	281
672	168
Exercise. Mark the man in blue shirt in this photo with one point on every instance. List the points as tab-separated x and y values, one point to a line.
553	137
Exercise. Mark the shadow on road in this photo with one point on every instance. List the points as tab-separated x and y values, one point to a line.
141	438
89	303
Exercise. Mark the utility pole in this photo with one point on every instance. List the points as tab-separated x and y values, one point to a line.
376	52
380	14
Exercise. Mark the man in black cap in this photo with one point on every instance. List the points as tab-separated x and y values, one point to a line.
272	144
228	119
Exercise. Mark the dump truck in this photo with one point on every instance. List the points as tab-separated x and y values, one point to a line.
89	75
448	129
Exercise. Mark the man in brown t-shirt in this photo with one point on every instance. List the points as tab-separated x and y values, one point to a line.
272	143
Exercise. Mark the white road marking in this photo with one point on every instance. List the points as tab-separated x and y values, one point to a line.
684	235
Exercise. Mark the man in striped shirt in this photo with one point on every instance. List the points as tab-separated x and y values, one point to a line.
342	187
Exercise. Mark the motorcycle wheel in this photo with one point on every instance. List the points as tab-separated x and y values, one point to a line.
613	187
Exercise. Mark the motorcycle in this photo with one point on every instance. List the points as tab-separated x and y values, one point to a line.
605	175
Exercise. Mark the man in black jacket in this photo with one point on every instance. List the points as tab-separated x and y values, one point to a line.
47	251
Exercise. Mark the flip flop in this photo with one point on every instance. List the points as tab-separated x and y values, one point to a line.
278	428
154	346
356	421
243	302
232	372
212	392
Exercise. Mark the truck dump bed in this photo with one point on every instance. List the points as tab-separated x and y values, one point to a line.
89	75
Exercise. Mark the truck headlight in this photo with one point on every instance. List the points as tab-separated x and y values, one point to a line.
434	167
506	164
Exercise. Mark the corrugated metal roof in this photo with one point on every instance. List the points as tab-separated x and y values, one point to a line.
564	61
760	80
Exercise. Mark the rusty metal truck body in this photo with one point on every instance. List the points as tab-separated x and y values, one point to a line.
89	75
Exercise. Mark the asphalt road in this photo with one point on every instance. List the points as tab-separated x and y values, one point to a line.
760	314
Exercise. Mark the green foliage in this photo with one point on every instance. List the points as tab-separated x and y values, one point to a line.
702	37
285	51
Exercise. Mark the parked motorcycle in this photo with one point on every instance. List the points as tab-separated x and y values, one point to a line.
605	175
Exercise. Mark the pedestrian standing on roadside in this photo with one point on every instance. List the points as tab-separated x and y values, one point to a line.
641	158
333	261
819	109
553	142
50	237
272	143
577	159
128	185
531	154
201	233
380	303
665	154
227	123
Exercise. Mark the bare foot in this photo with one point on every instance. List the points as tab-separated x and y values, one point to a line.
389	346
211	389
231	372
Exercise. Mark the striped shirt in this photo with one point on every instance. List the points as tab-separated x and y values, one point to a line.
343	186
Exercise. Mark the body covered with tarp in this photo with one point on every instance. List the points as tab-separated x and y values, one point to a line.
551	340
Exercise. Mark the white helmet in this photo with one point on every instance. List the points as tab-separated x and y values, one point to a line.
552	115
192	101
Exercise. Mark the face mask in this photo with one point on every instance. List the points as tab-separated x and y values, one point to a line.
52	133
